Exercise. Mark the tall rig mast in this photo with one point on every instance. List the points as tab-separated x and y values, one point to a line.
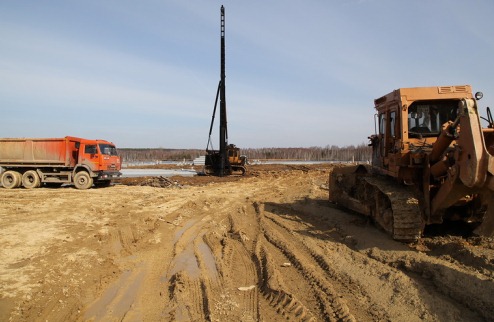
222	87
227	159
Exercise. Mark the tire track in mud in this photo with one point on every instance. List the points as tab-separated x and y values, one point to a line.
227	273
207	262
329	301
276	292
238	295
186	287
218	271
370	284
238	271
340	284
248	252
270	294
242	263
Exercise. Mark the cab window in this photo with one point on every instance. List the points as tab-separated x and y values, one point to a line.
108	149
90	149
425	118
392	123
382	123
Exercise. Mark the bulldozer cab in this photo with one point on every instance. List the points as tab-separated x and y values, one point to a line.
234	162
233	154
408	122
235	159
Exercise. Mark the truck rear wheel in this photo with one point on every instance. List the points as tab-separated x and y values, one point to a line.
11	179
30	179
19	179
82	180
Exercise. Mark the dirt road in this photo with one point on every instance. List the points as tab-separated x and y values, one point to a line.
268	247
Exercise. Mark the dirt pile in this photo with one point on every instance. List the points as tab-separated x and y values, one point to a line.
157	182
264	247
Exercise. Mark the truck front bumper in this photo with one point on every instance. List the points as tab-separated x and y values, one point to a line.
109	175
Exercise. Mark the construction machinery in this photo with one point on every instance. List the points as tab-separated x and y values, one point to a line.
432	161
227	160
32	162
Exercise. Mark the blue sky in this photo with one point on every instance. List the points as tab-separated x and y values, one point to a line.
299	73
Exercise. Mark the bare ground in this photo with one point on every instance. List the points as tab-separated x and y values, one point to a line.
266	247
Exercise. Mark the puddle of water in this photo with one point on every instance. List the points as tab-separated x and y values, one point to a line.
117	300
185	261
182	230
208	258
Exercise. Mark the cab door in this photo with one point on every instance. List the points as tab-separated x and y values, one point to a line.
394	142
379	145
90	156
388	137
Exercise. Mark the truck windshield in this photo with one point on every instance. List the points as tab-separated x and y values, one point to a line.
425	118
107	149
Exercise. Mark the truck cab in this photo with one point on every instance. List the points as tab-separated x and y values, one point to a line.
100	158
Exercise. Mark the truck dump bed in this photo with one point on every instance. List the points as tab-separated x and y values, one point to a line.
30	151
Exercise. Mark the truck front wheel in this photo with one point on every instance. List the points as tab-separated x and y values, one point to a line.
11	179
82	180
30	179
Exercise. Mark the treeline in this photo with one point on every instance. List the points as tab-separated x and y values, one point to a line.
159	154
328	153
360	152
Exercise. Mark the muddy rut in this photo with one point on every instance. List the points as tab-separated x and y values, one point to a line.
269	247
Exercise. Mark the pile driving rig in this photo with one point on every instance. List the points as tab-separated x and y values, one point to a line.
227	159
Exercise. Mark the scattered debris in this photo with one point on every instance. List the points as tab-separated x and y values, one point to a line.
158	182
246	288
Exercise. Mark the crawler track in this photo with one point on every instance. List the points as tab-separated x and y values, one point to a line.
406	223
392	206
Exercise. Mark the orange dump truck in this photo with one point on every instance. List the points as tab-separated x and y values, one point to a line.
33	162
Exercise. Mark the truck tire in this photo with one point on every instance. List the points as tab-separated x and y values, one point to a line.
11	179
19	179
30	179
82	180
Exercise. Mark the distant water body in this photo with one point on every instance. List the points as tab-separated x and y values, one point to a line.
133	173
130	173
251	162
